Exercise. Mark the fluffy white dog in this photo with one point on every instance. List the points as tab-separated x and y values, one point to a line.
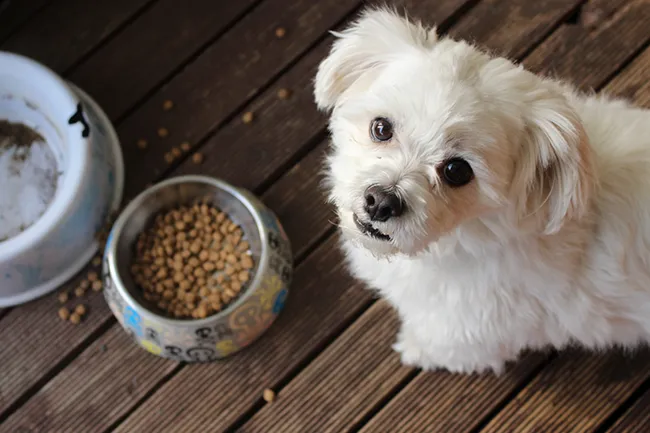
496	210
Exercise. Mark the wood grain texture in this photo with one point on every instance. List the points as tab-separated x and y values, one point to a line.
78	400
446	403
634	82
636	419
342	384
576	392
511	28
14	14
140	57
209	398
229	72
584	54
69	29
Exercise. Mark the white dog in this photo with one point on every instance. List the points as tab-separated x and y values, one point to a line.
496	210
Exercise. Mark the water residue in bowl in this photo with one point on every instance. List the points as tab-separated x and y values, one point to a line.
28	177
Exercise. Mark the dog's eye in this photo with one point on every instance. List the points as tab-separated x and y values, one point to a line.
381	129
457	172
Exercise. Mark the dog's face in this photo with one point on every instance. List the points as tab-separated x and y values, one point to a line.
430	135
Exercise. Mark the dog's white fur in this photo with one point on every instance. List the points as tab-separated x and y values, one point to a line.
548	245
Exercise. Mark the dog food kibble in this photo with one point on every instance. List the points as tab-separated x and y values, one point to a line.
280	32
64	313
176	152
247	117
97	261
79	292
63	297
142	144
169	157
97	286
185	146
197	158
284	94
92	276
80	310
75	318
269	395
163	132
168	105
192	262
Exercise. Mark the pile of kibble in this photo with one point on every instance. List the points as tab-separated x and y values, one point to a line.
192	262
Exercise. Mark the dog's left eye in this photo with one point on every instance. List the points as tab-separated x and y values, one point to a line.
457	172
381	129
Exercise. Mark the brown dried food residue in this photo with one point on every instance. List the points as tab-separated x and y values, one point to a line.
20	135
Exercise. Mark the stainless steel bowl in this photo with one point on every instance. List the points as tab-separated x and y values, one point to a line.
219	335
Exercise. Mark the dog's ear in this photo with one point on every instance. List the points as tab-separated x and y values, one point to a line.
368	43
554	173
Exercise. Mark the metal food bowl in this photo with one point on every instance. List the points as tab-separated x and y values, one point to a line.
218	335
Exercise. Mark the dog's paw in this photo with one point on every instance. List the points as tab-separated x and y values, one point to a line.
410	353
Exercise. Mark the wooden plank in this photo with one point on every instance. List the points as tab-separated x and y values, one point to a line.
461	413
358	366
141	56
636	419
359	370
527	24
634	82
618	31
230	71
576	392
213	396
44	39
14	13
83	403
36	353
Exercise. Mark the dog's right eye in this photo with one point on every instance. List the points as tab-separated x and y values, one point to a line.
381	130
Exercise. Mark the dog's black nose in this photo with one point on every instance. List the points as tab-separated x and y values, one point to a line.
381	204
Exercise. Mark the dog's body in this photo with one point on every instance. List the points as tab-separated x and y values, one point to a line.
546	241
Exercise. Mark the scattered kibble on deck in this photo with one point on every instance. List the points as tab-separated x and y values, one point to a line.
269	395
280	32
247	117
185	146
197	158
142	143
168	105
163	132
284	94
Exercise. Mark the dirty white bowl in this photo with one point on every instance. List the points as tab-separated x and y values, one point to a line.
85	145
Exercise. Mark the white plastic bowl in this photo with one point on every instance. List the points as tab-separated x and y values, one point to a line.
58	245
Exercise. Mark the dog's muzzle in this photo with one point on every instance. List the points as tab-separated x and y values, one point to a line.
368	230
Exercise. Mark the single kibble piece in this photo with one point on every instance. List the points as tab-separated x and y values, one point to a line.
168	105
197	158
97	286
280	32
169	157
75	318
63	297
188	262
97	261
142	143
64	313
79	292
176	152
248	117
284	94
163	132
92	276
269	395
84	284
185	146
80	310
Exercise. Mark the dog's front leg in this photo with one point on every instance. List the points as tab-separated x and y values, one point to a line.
456	358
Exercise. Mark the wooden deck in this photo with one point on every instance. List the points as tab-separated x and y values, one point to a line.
328	356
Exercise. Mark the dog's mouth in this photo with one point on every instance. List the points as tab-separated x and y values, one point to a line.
368	230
